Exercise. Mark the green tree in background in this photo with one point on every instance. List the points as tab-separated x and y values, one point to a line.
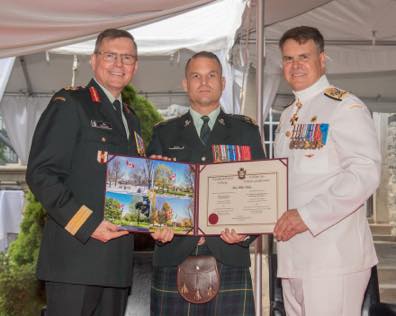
21	294
145	110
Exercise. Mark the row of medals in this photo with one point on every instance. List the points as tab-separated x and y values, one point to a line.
305	144
300	142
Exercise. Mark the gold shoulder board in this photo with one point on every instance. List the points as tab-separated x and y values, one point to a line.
335	93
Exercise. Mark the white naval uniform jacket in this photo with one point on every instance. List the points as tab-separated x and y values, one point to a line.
329	185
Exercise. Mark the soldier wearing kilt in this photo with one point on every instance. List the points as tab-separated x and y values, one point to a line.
204	134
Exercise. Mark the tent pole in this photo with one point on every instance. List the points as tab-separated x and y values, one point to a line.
26	75
259	100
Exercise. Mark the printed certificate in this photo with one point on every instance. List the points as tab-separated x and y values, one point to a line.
247	196
144	194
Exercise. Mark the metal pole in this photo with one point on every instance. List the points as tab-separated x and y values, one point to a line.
259	91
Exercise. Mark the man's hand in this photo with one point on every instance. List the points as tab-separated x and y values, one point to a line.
288	225
107	231
163	235
231	236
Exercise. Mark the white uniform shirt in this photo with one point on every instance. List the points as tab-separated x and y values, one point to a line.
329	185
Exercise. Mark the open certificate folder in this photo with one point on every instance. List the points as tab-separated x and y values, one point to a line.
144	194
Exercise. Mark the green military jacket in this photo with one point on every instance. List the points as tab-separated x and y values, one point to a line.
178	138
66	172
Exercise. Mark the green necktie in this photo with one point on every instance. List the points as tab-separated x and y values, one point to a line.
117	108
205	130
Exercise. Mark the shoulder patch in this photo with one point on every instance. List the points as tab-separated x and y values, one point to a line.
335	93
243	118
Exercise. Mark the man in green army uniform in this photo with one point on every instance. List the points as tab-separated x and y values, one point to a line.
85	261
198	137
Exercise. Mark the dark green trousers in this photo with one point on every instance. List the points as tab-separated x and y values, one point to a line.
64	299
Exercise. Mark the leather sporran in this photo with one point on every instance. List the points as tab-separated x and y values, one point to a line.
198	279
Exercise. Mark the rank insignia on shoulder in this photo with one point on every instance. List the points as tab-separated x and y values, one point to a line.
59	99
73	88
95	97
244	118
335	93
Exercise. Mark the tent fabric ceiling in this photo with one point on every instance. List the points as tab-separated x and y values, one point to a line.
360	35
210	27
346	20
280	10
29	26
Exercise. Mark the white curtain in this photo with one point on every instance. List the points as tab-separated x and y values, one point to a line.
6	65
271	85
226	100
20	115
30	26
247	83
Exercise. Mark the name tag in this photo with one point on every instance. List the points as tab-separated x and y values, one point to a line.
101	125
176	148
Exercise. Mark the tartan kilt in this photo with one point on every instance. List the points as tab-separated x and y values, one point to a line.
235	297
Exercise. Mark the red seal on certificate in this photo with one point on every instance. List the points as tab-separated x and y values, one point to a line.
213	219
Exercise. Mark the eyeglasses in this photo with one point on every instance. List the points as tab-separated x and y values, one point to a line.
287	60
126	59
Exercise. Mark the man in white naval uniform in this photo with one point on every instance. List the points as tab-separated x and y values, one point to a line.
325	247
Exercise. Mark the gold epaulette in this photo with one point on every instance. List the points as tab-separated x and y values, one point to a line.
335	93
244	118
